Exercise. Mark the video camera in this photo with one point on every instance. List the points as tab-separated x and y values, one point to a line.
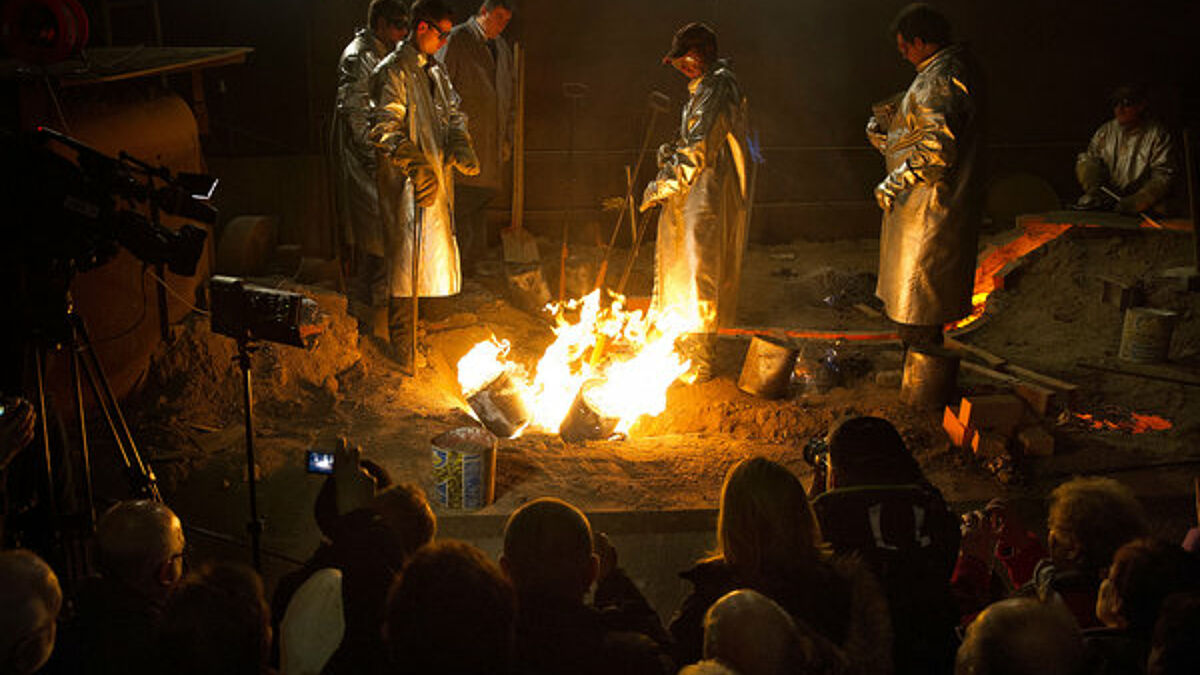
74	215
248	312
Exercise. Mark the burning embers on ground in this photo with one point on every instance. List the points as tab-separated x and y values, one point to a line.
607	367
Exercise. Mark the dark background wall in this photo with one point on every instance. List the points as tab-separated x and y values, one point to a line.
810	69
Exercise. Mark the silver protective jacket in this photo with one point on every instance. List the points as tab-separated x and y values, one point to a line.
932	193
354	154
1140	160
486	85
418	130
702	184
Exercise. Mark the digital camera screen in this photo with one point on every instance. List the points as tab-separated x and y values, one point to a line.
320	462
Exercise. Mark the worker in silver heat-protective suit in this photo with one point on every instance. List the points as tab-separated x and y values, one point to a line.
361	230
931	196
421	137
1131	156
702	187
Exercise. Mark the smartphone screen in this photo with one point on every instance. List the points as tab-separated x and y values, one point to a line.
319	462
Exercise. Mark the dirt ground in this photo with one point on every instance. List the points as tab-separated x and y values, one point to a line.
1049	318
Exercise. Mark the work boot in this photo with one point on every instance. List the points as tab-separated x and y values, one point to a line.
399	333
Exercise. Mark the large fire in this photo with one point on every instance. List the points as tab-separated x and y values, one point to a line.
626	358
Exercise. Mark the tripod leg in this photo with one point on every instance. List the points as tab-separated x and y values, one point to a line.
39	358
255	526
141	475
89	506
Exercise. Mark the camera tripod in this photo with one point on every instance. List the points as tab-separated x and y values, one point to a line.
83	365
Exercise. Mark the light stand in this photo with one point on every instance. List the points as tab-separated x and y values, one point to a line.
255	524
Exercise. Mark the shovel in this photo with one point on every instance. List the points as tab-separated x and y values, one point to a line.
520	247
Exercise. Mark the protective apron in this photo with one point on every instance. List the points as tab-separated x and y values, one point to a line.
353	153
702	184
417	123
927	247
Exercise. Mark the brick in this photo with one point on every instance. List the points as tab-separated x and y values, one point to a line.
989	444
998	412
959	434
1035	442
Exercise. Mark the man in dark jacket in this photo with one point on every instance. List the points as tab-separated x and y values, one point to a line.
548	554
480	64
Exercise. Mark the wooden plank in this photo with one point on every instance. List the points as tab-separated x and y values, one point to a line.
989	359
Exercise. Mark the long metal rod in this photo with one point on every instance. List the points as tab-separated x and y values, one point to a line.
255	526
419	215
1193	195
518	199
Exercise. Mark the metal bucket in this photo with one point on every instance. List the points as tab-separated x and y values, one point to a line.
1146	334
464	468
500	407
767	370
527	287
930	377
584	422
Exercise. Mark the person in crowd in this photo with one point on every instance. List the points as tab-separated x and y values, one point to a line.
881	507
140	559
371	544
549	556
360	479
480	64
1130	156
1090	518
216	621
30	600
1022	636
998	555
702	185
932	195
17	427
360	226
769	540
1144	572
746	632
420	136
1173	648
451	610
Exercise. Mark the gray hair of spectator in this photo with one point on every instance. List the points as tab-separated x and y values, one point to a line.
29	594
749	632
1022	636
134	538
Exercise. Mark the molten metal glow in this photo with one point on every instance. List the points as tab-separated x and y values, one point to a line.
1136	424
630	353
989	276
484	363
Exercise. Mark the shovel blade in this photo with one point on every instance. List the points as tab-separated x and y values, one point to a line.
520	247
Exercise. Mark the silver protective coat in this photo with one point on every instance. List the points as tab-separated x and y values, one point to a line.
354	154
1133	161
931	196
417	123
701	185
486	85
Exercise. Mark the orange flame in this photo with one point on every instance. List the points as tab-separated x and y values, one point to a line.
639	362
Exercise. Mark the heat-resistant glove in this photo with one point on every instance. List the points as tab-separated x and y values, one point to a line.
1090	172
425	184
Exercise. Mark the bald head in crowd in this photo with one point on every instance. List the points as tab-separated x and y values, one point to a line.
141	545
29	602
548	550
1022	636
748	632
